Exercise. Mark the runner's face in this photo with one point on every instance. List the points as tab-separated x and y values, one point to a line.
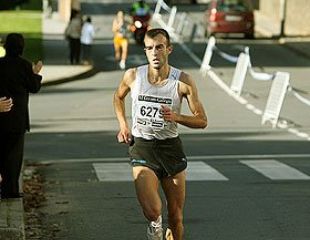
120	15
157	51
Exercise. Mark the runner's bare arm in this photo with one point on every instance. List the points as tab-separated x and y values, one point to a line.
115	26
188	90
119	105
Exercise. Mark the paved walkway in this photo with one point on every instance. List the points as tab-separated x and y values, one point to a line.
53	29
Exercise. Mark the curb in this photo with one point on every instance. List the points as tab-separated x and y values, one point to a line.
12	219
88	73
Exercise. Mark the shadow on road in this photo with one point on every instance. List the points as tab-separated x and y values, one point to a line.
79	145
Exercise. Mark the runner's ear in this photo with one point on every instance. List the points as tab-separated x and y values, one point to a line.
170	49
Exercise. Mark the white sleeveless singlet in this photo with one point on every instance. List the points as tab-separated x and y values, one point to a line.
147	121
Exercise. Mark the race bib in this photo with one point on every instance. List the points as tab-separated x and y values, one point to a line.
149	111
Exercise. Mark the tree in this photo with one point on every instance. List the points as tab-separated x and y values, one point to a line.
11	4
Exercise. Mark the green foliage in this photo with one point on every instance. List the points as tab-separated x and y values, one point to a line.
29	24
32	5
20	4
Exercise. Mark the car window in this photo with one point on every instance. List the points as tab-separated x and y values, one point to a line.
233	5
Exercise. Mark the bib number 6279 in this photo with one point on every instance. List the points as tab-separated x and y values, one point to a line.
148	111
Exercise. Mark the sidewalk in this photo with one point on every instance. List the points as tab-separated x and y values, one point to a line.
53	29
12	220
12	210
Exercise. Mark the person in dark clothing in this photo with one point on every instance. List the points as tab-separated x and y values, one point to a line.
73	35
18	78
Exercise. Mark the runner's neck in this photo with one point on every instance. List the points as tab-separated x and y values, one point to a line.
158	77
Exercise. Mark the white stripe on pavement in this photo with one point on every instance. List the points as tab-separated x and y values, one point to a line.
200	171
276	170
113	172
118	172
198	157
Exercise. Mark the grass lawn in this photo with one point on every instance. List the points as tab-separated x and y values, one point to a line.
27	22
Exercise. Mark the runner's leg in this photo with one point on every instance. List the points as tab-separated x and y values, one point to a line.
117	51
146	184
174	189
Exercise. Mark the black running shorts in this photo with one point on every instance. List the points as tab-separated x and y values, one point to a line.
164	157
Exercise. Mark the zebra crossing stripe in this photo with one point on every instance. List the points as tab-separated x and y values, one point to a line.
118	172
113	172
275	170
200	171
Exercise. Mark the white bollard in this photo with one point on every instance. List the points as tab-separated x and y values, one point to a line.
179	28
158	7
240	72
276	98
172	18
156	14
205	65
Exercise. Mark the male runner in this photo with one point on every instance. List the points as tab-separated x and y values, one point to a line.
157	90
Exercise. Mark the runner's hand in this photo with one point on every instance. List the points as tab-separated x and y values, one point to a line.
168	114
124	137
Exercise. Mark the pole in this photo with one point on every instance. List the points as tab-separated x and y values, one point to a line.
283	17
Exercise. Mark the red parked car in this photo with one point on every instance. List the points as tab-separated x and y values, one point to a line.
230	16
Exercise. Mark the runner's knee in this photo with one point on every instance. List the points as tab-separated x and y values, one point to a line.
152	213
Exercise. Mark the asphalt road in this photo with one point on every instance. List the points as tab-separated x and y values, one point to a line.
246	181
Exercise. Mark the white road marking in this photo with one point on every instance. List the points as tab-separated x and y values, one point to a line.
113	172
197	157
121	172
276	170
200	171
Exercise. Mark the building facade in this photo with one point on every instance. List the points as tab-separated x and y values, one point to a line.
293	16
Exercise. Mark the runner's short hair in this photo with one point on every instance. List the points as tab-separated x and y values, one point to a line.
152	33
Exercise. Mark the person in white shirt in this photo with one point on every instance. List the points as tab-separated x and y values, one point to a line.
87	38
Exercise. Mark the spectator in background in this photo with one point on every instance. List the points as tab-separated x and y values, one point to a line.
73	35
120	29
87	37
19	77
76	5
5	106
2	50
140	8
